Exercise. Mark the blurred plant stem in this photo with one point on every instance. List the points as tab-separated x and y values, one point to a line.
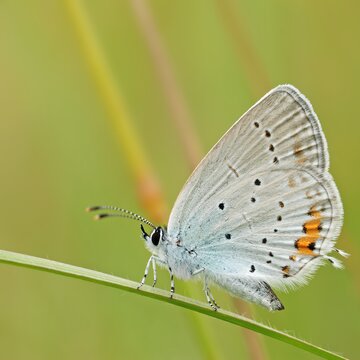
149	191
13	258
175	99
181	116
254	70
254	343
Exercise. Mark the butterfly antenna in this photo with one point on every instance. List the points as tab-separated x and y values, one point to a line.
125	214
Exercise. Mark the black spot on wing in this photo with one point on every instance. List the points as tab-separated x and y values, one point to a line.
311	246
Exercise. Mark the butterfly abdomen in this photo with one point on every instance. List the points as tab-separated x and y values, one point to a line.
258	292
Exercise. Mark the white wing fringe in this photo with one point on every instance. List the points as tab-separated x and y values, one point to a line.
334	262
342	253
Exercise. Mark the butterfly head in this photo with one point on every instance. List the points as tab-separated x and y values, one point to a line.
155	237
155	240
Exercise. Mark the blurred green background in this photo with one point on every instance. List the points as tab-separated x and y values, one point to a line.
59	153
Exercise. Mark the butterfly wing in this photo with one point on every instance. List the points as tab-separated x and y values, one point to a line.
275	226
281	129
261	205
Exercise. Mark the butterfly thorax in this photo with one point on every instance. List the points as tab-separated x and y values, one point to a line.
183	261
171	253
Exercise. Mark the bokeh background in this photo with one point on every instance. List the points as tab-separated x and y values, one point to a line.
180	73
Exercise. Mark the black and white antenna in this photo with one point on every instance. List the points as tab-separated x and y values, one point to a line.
124	214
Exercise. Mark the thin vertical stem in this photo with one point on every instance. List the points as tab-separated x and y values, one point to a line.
181	114
175	99
254	69
149	189
149	192
182	118
255	345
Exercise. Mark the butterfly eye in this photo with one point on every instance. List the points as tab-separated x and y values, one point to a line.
155	236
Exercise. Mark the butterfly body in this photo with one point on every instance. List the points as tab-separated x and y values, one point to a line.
261	209
169	252
190	264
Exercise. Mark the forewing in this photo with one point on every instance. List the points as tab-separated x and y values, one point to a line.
281	130
274	225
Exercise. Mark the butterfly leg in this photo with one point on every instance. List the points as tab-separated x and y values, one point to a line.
210	297
154	270
172	284
198	271
146	273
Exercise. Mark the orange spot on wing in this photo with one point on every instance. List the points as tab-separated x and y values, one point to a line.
311	228
286	271
299	153
314	213
305	245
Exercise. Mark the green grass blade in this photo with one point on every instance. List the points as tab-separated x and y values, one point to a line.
37	263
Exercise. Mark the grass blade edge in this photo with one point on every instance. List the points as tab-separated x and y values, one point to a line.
56	267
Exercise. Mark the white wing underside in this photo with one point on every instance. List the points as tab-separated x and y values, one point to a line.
262	204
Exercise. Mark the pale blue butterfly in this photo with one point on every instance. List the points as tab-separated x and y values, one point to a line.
261	209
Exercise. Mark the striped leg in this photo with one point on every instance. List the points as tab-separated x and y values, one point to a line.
154	270
212	299
172	284
209	297
146	273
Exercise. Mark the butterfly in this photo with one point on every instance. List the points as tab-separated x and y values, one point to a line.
260	211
